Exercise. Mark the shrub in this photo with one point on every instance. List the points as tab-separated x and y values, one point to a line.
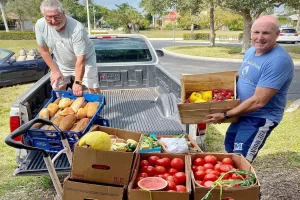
17	35
201	36
2	27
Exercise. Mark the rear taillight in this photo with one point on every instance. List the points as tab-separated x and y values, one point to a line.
296	34
106	36
14	123
281	34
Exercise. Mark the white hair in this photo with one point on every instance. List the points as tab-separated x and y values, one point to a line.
51	5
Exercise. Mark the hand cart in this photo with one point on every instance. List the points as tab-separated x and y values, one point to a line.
9	140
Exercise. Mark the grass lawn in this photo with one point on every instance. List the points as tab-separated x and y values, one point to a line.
223	51
16	45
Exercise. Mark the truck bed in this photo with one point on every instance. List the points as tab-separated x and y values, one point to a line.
143	110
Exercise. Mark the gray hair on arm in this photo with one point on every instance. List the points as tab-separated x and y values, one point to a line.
51	5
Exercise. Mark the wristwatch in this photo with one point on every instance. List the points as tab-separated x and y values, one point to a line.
78	82
226	116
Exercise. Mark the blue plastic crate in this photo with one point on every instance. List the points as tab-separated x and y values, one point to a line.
152	150
50	139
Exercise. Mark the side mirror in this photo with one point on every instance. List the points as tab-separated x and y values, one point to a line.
159	53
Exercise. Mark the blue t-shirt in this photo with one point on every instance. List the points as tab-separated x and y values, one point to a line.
274	69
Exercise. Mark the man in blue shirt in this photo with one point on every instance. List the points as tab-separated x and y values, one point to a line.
264	78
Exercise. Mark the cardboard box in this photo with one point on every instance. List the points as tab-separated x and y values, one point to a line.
160	195
236	193
188	137
79	191
194	113
108	167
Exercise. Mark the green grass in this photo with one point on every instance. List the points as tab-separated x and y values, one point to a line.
222	51
16	45
9	184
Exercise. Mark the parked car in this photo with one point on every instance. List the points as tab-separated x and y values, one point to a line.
288	35
26	67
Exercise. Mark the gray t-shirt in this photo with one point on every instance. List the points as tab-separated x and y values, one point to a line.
66	45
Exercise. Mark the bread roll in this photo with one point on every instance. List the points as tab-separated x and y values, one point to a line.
44	114
64	103
81	125
77	104
57	120
67	122
66	111
81	113
56	101
92	108
53	108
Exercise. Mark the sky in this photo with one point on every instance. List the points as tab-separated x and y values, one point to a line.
110	4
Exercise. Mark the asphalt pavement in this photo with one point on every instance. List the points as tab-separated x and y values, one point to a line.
181	64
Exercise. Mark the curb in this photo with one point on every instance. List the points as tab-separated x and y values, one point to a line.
296	64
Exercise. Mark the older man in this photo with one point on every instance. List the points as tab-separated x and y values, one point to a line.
74	52
264	78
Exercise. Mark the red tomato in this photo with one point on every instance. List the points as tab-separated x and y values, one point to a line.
161	162
194	168
208	166
143	169
199	182
167	161
225	167
227	176
144	163
177	163
215	173
172	178
150	171
160	170
180	188
210	159
171	185
217	167
152	160
227	161
144	175
207	183
210	177
166	175
199	168
172	191
236	177
180	176
199	162
161	176
199	175
208	171
172	171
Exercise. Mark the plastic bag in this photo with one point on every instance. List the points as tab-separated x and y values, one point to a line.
175	145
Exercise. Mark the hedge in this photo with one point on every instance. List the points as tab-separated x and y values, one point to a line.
17	35
197	36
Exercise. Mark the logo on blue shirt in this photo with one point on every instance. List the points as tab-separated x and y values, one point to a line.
245	71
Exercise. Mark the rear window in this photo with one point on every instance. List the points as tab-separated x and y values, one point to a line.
290	30
110	50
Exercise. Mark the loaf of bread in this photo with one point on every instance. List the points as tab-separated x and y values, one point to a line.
64	103
44	114
52	108
81	125
81	113
56	101
57	120
66	111
77	104
92	108
67	122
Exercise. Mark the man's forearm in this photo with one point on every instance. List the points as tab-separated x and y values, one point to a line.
79	68
247	106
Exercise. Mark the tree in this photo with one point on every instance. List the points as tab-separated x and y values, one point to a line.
2	3
249	10
296	5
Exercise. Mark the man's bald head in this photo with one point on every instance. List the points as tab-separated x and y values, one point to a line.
268	19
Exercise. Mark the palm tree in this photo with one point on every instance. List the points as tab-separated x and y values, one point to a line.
2	4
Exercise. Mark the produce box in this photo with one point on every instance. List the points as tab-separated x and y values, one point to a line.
76	190
193	147
135	193
50	139
149	144
251	192
194	113
107	167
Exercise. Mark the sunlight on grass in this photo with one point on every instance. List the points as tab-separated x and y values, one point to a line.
16	45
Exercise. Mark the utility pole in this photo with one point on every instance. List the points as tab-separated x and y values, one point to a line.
88	16
94	17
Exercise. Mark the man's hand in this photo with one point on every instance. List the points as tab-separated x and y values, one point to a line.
214	118
77	90
55	77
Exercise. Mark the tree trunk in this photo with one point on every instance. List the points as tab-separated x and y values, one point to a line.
247	30
4	17
212	36
298	22
21	25
192	32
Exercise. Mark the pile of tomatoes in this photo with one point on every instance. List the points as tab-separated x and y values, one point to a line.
208	169
172	170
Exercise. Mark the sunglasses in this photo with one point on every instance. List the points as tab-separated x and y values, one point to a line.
55	17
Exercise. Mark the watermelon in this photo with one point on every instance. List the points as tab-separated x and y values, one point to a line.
152	183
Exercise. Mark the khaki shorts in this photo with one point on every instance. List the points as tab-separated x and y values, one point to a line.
90	78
